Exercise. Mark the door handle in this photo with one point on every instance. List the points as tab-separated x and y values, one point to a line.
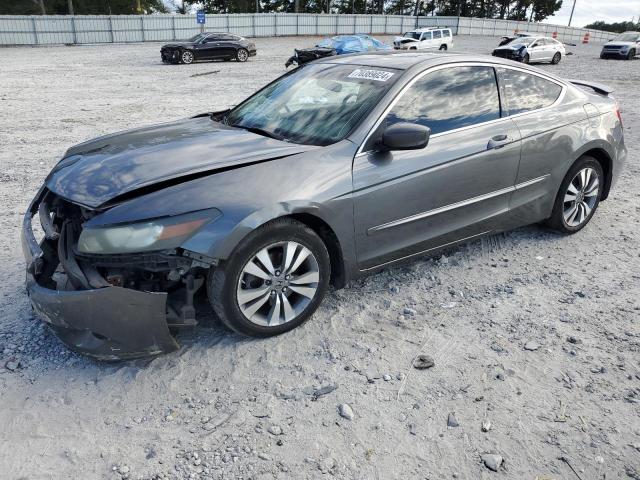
498	141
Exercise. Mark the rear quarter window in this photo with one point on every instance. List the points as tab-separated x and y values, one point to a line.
446	33
526	92
437	34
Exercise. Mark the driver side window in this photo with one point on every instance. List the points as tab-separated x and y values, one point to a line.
448	99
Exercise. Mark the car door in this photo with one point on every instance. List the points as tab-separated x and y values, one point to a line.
536	51
437	39
210	47
425	40
406	202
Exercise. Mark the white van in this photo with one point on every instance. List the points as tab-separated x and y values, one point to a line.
440	38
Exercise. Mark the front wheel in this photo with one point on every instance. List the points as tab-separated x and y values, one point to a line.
187	56
578	197
526	58
631	55
274	280
556	58
242	55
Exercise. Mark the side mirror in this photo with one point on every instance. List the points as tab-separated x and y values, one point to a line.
404	136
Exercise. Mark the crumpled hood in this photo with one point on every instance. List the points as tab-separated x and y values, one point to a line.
99	170
511	47
178	45
405	40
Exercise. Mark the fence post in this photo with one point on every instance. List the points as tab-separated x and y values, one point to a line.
385	24
73	29
316	24
275	24
111	28
228	23
35	30
173	26
355	24
337	24
253	25
142	27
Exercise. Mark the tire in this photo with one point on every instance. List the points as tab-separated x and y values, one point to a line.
226	283
443	47
526	58
187	57
242	55
556	58
631	55
558	220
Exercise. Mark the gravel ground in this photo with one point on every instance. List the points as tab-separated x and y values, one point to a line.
535	337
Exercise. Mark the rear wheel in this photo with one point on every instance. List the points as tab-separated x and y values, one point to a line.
242	55
578	197
443	47
556	58
187	56
273	282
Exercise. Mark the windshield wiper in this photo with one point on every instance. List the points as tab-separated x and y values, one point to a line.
261	131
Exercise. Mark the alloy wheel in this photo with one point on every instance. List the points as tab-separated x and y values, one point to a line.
242	55
581	197
187	56
278	283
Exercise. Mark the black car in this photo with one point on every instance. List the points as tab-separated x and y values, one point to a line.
209	46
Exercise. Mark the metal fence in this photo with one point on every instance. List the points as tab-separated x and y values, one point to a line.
64	29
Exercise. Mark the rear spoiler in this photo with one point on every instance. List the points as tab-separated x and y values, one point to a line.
597	87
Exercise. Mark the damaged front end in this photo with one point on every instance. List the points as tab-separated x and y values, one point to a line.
111	306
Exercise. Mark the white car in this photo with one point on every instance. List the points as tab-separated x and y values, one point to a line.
439	38
532	49
626	45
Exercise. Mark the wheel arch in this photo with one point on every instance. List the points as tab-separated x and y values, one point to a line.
605	161
225	234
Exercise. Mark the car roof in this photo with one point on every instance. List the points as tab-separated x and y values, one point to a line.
403	60
428	29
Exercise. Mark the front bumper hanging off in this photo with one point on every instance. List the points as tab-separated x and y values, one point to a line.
108	323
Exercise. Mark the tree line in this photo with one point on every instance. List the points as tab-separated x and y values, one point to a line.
532	10
617	27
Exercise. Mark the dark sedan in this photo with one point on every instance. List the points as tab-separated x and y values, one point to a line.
338	168
209	46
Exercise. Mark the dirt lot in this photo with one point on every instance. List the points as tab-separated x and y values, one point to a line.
230	407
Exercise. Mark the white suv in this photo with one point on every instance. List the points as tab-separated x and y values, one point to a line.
423	38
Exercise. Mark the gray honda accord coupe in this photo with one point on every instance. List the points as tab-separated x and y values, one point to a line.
337	168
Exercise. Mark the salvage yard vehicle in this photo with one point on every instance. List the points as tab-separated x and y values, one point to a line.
532	49
209	46
336	169
625	45
506	39
425	38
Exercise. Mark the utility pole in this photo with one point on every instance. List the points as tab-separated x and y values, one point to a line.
70	3
572	9
41	5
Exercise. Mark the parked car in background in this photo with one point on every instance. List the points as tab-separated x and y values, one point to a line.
532	49
506	39
345	44
338	168
625	45
209	46
438	38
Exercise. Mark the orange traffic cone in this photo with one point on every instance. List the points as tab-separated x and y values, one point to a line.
586	38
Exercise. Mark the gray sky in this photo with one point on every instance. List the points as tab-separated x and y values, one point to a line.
588	11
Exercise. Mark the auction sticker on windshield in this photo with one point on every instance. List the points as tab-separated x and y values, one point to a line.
378	75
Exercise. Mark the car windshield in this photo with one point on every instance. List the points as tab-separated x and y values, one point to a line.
414	35
314	104
628	37
521	41
197	38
